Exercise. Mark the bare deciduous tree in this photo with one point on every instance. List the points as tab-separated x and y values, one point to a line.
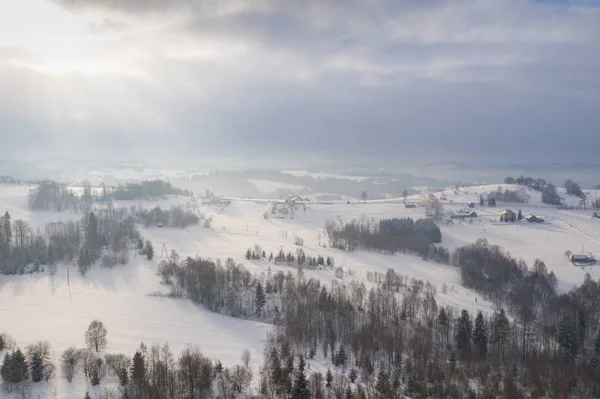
95	336
246	358
70	358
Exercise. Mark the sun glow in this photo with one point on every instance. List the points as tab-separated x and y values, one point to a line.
52	39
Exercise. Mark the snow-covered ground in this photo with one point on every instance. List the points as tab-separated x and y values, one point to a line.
40	306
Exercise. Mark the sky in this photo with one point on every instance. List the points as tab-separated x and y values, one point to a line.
492	80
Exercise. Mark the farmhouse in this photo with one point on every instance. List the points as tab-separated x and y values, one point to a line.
582	260
471	214
508	216
534	219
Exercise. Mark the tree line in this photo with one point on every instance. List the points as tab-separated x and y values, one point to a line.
50	195
299	259
548	190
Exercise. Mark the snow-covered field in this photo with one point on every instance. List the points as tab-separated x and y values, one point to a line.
40	306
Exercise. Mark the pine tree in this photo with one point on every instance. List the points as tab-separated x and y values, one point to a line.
92	237
95	378
443	322
20	369
248	254
7	368
37	367
260	299
567	335
383	383
500	330
464	329
328	378
481	200
353	375
480	334
520	215
123	377
596	355
301	384
582	327
264	255
1	342
149	250
138	368
219	366
50	255
271	257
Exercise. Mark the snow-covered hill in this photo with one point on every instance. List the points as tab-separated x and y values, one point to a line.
40	306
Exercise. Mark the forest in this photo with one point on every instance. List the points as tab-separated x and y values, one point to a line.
386	341
108	235
389	236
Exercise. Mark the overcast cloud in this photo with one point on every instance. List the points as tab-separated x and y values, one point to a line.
140	79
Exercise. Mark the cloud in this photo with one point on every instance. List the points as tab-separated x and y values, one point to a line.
378	78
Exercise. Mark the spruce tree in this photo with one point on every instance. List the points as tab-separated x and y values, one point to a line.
464	329
328	378
520	215
87	395
95	378
271	257
301	384
567	335
353	375
596	356
480	334
1	342
149	250
92	237
383	383
6	369
443	322
123	377
219	366
260	299
582	328
500	330
20	368
138	368
37	367
481	200
248	254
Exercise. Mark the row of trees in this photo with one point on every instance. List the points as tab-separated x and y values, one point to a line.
23	250
299	259
151	373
